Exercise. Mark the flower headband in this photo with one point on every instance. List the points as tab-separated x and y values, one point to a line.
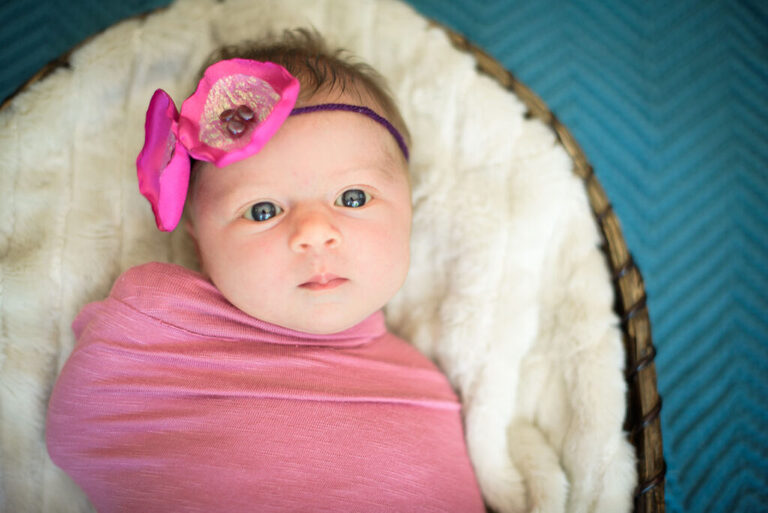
237	107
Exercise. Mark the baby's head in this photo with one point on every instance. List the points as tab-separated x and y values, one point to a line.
312	232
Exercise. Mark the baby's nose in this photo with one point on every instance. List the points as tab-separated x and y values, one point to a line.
314	229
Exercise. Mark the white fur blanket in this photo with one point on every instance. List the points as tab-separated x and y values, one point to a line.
508	291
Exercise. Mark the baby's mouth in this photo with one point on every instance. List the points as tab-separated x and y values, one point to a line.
323	282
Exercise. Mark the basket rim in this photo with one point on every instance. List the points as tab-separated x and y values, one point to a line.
62	60
645	423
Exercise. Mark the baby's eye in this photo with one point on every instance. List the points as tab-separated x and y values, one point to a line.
262	211
353	198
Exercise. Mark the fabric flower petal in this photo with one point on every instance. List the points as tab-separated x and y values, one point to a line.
163	163
267	89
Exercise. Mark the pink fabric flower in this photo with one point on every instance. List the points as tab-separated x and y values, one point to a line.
238	106
163	164
265	88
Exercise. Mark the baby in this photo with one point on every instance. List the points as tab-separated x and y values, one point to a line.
269	381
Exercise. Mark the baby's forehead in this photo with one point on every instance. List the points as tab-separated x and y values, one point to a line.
360	96
375	152
310	147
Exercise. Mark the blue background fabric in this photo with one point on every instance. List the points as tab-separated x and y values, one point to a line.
669	101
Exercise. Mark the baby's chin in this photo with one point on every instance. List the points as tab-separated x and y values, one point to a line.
320	325
325	321
330	329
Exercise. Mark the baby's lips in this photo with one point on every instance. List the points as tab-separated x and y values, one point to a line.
324	281
163	164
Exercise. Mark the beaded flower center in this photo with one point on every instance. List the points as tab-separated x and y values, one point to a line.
236	120
235	104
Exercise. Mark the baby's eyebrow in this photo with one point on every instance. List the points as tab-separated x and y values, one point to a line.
231	194
388	172
384	163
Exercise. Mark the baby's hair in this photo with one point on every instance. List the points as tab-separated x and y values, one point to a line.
319	69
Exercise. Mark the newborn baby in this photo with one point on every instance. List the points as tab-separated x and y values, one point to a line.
268	382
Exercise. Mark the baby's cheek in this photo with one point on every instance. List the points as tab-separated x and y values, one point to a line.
393	254
262	252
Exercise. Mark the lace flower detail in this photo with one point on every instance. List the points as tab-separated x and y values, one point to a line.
260	96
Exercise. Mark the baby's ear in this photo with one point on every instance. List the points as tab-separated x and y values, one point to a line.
190	228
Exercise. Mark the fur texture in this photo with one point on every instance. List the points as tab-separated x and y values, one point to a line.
507	292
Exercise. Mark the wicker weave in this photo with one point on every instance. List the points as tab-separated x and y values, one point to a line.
643	401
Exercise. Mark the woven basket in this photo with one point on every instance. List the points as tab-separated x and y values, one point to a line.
643	401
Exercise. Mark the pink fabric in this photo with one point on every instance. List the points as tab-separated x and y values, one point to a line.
267	88
174	400
163	163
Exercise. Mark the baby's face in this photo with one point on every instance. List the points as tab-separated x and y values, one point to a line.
311	233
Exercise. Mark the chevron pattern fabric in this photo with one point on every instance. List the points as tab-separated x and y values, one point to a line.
36	32
670	102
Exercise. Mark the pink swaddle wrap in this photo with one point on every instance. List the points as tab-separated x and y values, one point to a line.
175	400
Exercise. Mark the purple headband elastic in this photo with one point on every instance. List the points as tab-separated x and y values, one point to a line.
238	106
360	110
